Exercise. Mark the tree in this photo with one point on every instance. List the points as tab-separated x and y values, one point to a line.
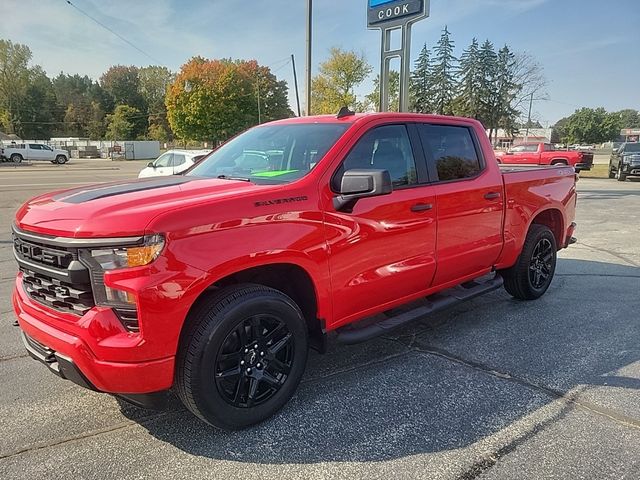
421	83
444	74
123	84
333	87
124	123
629	118
468	103
588	125
372	101
14	82
212	100
36	115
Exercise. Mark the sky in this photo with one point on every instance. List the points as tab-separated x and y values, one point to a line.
589	50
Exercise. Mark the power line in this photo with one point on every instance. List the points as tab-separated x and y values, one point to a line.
114	33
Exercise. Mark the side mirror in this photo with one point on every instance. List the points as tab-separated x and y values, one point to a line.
361	183
150	164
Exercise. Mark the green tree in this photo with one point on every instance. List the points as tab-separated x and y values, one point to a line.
589	125
333	87
372	101
123	84
421	83
468	103
37	109
212	100
629	118
444	74
124	123
14	82
154	83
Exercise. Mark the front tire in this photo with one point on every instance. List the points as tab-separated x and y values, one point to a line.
532	274
621	177
241	356
61	160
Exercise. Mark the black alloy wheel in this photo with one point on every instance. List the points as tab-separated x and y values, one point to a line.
255	361
540	265
241	356
533	272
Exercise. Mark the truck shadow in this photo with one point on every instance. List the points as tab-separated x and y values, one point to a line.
451	380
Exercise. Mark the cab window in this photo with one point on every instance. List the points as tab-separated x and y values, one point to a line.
178	159
452	150
387	148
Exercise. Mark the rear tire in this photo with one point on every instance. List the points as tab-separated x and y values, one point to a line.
221	376
532	274
16	158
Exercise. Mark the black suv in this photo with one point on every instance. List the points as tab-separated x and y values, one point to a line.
625	162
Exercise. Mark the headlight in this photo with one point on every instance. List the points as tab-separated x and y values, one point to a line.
101	260
127	257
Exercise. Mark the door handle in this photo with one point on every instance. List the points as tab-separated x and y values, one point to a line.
421	207
492	195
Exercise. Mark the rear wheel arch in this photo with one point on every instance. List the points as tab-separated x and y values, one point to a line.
553	219
559	161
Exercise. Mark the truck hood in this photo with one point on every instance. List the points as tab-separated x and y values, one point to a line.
121	209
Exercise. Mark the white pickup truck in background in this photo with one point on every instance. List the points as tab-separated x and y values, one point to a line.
17	152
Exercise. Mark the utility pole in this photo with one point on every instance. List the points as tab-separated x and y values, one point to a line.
526	135
295	81
308	65
259	112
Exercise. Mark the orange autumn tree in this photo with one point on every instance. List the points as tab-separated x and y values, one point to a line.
213	100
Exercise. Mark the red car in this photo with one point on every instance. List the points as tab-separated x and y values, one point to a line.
216	283
545	154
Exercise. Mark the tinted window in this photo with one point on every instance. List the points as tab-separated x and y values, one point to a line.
386	148
453	151
632	147
34	146
272	154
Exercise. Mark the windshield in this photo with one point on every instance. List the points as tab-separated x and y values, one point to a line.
272	154
632	147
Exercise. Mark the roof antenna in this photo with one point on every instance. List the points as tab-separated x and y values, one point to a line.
345	112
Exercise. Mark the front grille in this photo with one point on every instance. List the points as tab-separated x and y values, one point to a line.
53	275
56	294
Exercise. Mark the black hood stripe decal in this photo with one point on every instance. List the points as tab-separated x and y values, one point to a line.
86	194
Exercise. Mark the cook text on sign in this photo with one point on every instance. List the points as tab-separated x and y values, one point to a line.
383	12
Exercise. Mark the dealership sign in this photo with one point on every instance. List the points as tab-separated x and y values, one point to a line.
384	13
630	131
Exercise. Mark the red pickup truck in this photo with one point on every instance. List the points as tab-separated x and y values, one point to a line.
545	154
215	283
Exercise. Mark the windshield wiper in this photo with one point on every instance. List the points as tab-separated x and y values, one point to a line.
229	177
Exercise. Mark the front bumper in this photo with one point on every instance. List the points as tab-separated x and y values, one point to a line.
631	169
69	356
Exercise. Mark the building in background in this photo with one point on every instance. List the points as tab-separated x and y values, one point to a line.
539	135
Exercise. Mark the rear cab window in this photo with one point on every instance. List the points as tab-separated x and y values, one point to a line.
451	152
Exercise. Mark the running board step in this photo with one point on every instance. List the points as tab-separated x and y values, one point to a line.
437	302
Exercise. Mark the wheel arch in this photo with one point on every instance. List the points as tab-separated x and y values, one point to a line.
552	218
289	278
558	160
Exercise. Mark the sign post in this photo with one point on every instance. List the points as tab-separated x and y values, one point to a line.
389	16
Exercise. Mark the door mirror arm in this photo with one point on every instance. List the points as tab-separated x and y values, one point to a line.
361	183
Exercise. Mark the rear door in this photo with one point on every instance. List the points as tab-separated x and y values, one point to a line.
383	250
469	196
35	152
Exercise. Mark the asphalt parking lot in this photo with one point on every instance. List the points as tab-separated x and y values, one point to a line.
491	389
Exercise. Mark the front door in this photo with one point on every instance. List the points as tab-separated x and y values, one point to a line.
470	202
384	250
163	165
